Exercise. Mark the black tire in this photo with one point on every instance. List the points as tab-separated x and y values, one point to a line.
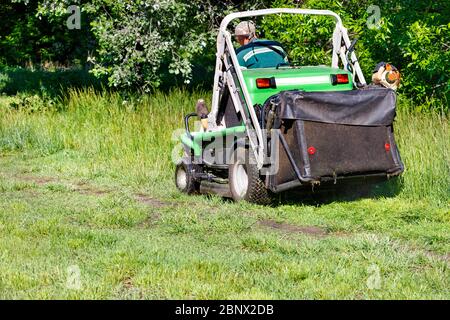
255	191
184	178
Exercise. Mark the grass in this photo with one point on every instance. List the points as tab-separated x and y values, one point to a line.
89	188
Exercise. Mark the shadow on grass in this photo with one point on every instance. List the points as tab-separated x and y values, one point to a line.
52	84
341	193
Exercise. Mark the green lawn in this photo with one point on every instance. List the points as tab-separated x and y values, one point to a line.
88	210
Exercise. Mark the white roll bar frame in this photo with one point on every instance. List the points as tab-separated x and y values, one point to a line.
224	41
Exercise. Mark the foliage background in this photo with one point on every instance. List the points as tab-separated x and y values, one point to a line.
146	44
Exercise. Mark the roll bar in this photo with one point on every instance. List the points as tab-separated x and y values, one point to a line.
341	44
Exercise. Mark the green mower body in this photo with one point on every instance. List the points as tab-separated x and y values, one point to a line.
308	79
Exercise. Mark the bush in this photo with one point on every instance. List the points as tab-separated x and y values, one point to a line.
4	79
27	37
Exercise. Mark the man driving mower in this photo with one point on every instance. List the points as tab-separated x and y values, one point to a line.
255	53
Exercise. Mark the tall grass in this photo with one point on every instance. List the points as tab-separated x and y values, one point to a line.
424	143
130	139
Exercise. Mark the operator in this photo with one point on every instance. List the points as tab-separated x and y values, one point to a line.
255	53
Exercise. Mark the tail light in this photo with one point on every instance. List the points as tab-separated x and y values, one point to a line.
339	79
311	150
264	83
387	146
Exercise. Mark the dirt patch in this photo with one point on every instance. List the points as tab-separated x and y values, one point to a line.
149	201
85	188
31	193
82	187
442	257
128	283
150	221
289	228
445	257
91	191
37	180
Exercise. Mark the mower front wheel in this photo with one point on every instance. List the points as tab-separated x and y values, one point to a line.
184	178
244	178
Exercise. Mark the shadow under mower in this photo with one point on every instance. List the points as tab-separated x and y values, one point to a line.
271	130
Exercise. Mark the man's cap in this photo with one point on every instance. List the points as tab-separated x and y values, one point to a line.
245	28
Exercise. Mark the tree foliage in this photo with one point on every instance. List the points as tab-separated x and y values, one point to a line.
27	37
143	43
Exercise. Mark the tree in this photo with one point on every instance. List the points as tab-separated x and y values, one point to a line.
143	43
27	36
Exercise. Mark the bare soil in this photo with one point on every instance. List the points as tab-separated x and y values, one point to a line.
289	228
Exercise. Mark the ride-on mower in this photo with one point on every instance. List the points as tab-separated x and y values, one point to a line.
275	129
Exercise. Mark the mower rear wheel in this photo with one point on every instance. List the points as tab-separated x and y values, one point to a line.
184	178
244	178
